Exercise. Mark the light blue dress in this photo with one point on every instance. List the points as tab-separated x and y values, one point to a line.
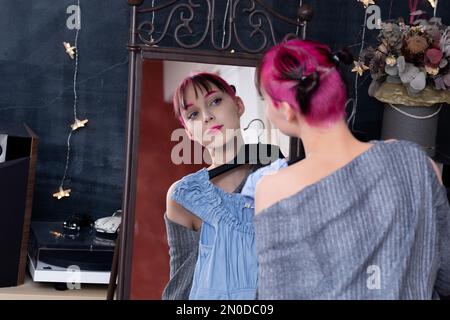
227	267
250	185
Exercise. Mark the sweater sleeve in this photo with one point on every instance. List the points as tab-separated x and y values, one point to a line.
443	216
183	252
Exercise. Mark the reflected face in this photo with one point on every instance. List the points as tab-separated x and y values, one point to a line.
211	117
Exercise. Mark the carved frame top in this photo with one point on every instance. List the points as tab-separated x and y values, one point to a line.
181	22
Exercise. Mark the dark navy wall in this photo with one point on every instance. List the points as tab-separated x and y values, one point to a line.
36	87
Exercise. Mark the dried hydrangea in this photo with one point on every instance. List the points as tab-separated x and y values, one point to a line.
392	36
416	45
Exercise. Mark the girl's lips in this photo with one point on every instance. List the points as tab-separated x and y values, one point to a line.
215	129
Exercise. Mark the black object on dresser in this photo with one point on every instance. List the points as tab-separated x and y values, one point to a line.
59	255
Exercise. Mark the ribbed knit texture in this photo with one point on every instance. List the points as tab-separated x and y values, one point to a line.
384	216
183	252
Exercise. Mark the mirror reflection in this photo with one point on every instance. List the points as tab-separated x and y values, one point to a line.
191	192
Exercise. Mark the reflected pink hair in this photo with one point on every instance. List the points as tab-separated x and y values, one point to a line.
326	102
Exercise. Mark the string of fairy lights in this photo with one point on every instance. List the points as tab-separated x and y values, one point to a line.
73	53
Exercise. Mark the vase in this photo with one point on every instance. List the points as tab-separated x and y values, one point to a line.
416	124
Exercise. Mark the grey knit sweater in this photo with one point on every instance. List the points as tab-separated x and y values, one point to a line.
183	252
378	228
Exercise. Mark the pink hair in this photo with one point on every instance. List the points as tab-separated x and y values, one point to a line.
202	80
326	103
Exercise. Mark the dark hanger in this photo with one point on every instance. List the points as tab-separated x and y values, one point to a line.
250	154
297	151
294	160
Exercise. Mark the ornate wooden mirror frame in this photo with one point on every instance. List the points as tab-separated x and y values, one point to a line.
235	51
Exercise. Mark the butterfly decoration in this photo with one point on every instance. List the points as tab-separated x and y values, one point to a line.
359	67
62	193
366	3
69	49
78	124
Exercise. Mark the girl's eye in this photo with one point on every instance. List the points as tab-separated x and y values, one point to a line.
216	101
192	115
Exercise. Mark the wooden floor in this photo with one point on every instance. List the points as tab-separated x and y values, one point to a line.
46	291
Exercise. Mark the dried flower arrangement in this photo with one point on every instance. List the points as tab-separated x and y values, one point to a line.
415	56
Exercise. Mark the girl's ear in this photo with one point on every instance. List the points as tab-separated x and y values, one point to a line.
288	111
240	105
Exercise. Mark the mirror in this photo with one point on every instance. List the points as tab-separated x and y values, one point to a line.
163	51
162	158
